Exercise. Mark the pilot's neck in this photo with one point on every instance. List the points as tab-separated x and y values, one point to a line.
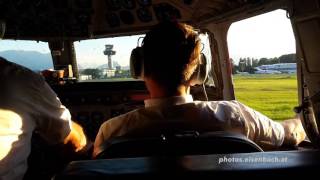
157	91
165	94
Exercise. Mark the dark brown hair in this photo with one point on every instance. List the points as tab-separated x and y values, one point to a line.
171	53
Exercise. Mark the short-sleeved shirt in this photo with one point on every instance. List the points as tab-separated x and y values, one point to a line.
27	104
231	116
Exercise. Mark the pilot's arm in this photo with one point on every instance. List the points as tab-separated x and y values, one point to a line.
269	133
294	131
76	137
102	136
54	120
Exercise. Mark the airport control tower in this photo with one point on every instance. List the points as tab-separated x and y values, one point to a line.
109	52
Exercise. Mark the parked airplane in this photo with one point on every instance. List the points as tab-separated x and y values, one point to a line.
277	68
266	71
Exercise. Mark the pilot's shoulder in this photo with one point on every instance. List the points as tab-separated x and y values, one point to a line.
222	105
10	70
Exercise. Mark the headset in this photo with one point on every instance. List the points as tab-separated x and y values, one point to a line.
198	77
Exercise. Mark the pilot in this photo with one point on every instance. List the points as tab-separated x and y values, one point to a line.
171	54
28	104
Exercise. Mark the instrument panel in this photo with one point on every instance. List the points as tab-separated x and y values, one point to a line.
123	14
91	104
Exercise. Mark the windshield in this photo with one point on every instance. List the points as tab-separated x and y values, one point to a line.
31	54
105	59
108	59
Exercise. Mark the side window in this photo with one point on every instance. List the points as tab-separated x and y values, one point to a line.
262	49
31	54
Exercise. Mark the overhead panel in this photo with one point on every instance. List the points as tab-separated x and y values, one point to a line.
83	19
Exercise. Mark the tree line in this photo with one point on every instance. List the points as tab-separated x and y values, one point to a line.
98	73
248	64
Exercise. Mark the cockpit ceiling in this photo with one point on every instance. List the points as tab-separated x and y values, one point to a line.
83	19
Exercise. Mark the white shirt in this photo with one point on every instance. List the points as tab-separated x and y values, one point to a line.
27	104
207	116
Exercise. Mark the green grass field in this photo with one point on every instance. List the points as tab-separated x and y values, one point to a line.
272	95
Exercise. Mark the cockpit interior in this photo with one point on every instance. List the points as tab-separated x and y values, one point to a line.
63	23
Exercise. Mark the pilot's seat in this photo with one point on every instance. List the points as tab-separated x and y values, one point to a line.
166	150
178	143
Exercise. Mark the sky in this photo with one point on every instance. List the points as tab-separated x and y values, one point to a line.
41	47
268	35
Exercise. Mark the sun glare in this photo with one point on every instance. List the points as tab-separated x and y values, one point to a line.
10	129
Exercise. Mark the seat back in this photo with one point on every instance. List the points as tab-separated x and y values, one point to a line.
185	143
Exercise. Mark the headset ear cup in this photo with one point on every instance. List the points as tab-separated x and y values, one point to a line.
200	75
137	63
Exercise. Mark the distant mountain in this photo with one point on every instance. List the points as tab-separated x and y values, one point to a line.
31	59
103	66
